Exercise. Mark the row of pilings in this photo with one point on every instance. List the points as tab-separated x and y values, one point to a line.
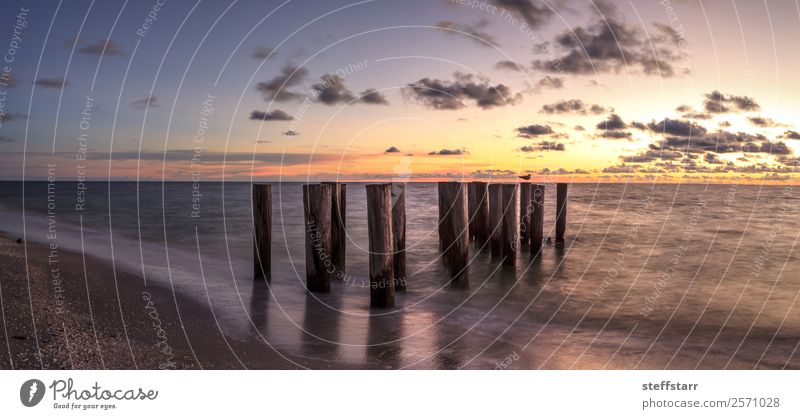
500	218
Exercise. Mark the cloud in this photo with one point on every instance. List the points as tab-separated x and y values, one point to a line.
677	127
508	65
574	106
262	53
476	30
534	130
102	48
543	146
4	140
791	135
718	142
614	135
534	15
278	87
765	122
331	90
54	83
276	115
579	128
212	157
775	147
447	152
10	80
613	122
392	149
14	116
688	112
373	97
651	155
150	101
448	95
716	102
610	45
549	82
290	133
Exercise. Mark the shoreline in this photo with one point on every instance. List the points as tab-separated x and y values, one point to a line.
61	319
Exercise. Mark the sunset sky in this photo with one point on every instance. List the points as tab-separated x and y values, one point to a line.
411	90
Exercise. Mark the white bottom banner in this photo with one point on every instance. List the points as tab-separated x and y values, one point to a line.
395	394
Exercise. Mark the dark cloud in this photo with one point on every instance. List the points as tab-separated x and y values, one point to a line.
765	122
508	65
290	133
4	139
392	149
533	11
614	135
14	116
439	94
712	158
373	97
447	152
613	122
549	82
534	130
276	115
716	102
543	146
331	90
652	155
475	31
791	135
150	101
54	83
775	147
677	127
9	81
610	45
262	53
638	125
718	142
574	106
278	87
102	48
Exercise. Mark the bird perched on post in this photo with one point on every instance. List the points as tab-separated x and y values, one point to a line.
525	177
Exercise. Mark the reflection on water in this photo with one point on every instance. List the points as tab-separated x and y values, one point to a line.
669	283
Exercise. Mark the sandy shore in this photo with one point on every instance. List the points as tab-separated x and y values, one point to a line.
63	319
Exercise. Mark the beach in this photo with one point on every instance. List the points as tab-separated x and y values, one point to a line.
111	321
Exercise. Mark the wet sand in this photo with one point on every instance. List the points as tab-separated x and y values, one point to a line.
103	321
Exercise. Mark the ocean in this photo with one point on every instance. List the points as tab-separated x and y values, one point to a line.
651	276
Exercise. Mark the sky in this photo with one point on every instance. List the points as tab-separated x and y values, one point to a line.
590	91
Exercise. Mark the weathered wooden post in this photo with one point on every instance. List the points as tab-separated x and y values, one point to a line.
338	227
561	211
525	210
262	227
496	220
317	201
510	223
457	232
537	218
442	214
471	200
399	234
479	225
381	243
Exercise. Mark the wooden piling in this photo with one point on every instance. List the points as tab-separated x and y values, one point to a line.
525	212
479	215
262	228
317	201
381	243
537	219
442	214
399	234
456	229
338	227
510	223
561	211
496	220
471	201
